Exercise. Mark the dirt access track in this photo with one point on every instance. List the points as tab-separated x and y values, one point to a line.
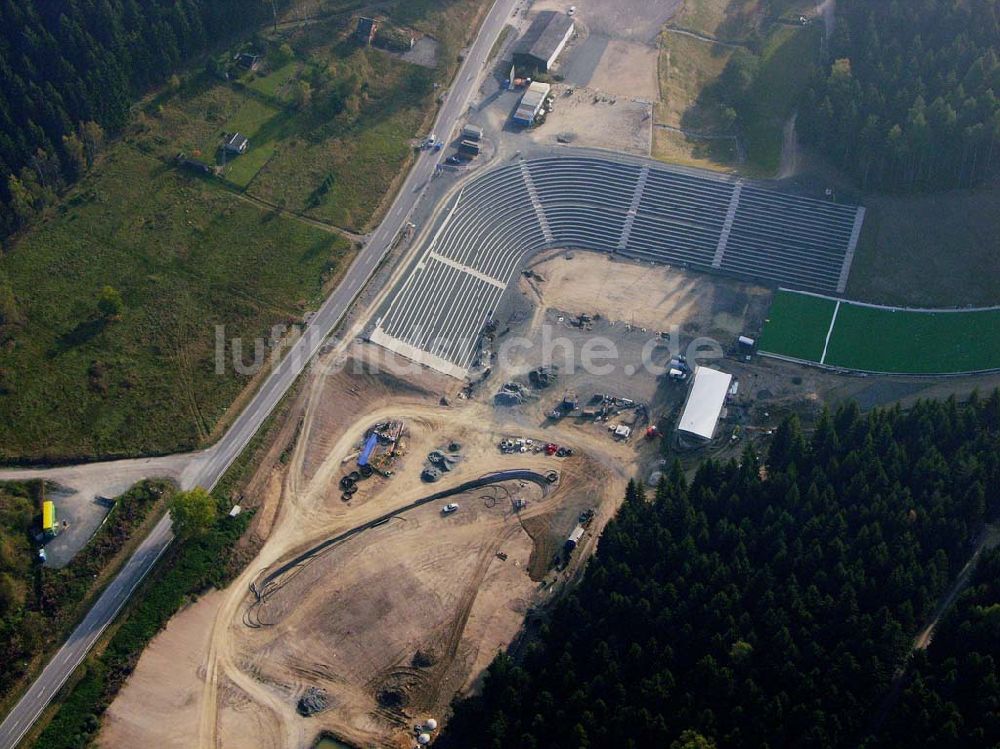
390	623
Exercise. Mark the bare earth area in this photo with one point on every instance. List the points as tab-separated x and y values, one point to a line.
391	623
652	296
635	20
169	669
585	116
627	69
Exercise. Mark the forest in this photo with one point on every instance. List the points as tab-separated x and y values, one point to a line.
767	602
69	72
909	100
951	697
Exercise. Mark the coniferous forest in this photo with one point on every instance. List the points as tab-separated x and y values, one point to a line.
770	602
951	698
911	99
70	70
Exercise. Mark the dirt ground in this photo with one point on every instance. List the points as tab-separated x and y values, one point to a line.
585	116
657	297
421	589
169	668
395	621
633	20
627	69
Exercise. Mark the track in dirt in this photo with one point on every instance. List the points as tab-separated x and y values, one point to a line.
272	581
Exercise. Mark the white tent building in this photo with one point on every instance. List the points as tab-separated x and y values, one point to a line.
704	403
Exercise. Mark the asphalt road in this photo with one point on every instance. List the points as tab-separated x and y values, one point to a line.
207	468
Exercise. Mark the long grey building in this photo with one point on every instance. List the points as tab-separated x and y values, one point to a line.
543	41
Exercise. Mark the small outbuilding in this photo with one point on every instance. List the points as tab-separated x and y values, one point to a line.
50	527
236	144
365	31
704	404
248	61
543	41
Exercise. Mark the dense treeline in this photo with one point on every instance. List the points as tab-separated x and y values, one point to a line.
763	605
912	98
952	698
19	625
69	70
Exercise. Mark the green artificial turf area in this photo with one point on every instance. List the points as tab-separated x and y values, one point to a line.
797	325
883	340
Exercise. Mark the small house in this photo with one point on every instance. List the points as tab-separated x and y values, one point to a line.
365	32
236	144
248	61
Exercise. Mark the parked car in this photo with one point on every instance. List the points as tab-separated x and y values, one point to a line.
449	508
453	160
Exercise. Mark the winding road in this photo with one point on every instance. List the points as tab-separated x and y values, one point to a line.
207	467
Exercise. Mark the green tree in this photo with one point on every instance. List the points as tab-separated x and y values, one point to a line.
738	77
692	740
92	136
282	55
75	154
21	201
302	94
193	512
11	594
110	303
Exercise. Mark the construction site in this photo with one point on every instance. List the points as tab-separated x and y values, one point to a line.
409	526
406	527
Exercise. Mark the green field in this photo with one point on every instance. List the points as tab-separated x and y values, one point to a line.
797	325
934	250
188	252
789	57
691	82
185	254
878	339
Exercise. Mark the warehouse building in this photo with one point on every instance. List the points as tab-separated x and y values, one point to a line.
543	41
531	103
704	404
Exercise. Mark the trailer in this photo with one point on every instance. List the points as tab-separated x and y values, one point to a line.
470	147
50	525
574	538
472	132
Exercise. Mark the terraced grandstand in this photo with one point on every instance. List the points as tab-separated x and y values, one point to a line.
640	210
